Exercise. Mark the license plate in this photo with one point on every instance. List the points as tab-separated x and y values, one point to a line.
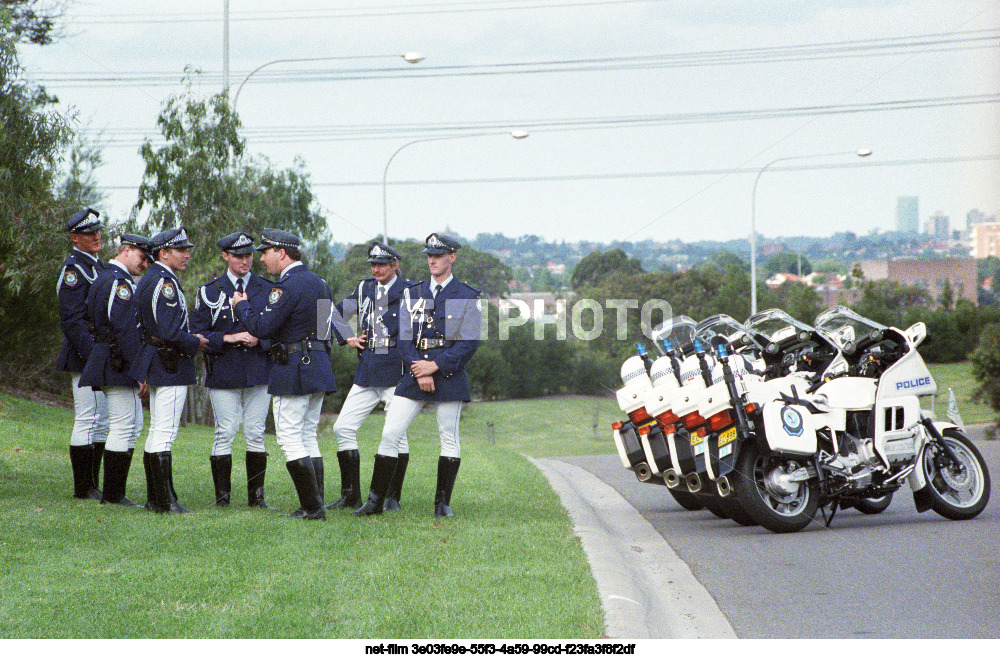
695	439
727	437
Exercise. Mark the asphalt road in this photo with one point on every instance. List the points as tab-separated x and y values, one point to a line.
899	574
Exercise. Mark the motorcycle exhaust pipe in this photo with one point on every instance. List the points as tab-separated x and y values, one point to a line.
643	472
671	478
724	488
693	482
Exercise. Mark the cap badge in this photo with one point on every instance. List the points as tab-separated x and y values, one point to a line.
241	241
435	241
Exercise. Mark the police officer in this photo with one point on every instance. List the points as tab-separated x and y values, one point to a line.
114	321
376	303
439	333
301	373
237	368
90	425
165	361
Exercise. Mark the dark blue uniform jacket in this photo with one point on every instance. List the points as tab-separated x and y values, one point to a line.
77	275
163	313
382	366
289	317
113	312
213	317
455	316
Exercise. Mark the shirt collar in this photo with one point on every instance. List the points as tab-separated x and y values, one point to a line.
386	286
285	271
233	279
90	257
443	284
115	261
166	267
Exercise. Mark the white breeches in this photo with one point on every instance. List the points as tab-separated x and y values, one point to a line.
90	423
358	405
124	416
166	403
233	406
401	413
296	420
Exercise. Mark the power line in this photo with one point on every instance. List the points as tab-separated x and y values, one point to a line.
642	175
927	43
131	137
347	12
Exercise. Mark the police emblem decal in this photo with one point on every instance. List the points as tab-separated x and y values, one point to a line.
274	296
168	290
791	421
123	292
70	278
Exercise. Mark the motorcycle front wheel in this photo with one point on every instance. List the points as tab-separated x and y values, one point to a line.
766	493
958	491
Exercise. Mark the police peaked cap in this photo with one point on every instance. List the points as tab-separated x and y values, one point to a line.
238	244
85	221
136	241
274	237
381	253
173	238
438	243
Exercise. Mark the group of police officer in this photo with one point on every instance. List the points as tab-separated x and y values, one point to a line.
265	344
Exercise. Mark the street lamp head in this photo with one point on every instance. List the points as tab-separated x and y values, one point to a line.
864	153
519	134
412	58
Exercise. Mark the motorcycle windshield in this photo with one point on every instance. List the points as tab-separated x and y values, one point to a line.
842	325
734	332
679	332
775	325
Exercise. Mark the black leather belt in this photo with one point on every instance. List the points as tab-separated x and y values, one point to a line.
379	343
431	343
308	346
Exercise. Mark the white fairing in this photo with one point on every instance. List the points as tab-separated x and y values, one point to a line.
908	376
853	393
789	428
617	435
637	383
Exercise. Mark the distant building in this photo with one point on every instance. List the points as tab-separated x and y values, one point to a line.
985	240
939	226
976	216
929	274
907	214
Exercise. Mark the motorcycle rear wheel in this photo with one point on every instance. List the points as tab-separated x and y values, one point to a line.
778	511
687	500
957	493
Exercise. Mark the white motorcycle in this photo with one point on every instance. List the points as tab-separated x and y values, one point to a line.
852	432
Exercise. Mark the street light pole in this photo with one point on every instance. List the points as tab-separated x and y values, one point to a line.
410	58
861	153
516	134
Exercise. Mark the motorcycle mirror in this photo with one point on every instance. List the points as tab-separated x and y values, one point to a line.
916	333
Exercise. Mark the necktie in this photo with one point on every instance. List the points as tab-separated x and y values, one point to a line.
381	294
437	289
239	285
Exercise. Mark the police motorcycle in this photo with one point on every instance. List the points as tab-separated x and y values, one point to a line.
640	440
853	431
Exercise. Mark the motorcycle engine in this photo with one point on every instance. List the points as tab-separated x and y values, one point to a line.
855	460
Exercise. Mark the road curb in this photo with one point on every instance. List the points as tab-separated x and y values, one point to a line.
646	590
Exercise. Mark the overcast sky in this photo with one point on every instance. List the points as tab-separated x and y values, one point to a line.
659	133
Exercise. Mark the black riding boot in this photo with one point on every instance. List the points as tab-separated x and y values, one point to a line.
350	480
80	458
95	470
151	475
396	484
381	477
304	479
319	470
447	470
256	469
167	459
116	467
222	472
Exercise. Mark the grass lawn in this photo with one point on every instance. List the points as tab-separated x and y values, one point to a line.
958	377
508	565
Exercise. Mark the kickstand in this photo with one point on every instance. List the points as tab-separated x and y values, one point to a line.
833	512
